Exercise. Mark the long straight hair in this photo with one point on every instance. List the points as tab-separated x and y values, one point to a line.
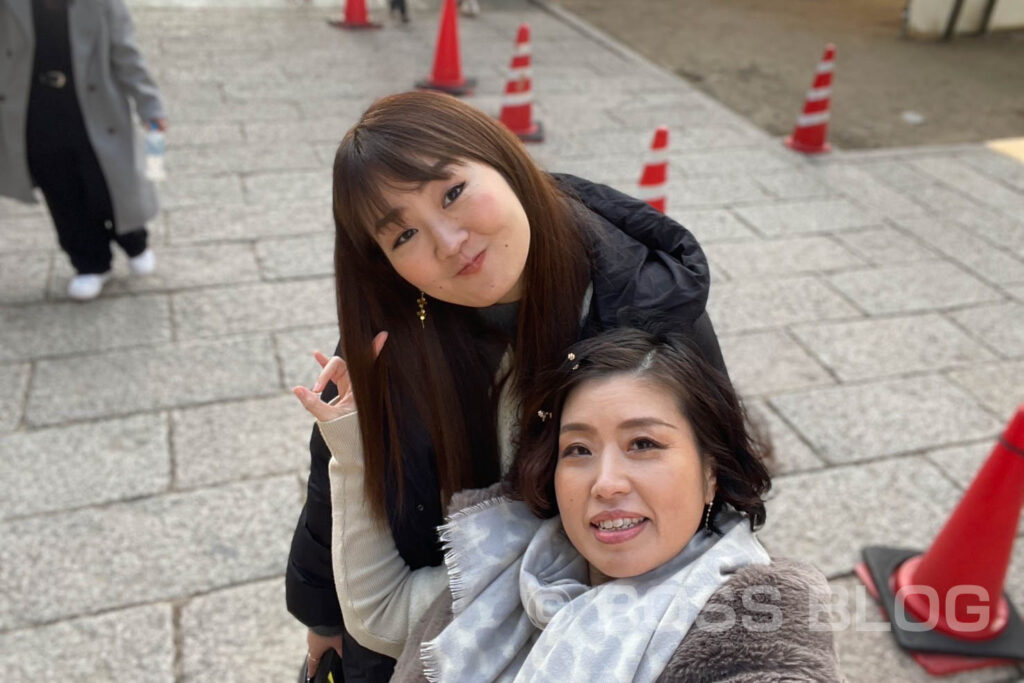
439	370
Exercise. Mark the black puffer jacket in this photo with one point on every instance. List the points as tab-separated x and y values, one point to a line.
642	262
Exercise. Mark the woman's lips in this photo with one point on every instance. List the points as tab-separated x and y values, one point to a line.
475	265
612	536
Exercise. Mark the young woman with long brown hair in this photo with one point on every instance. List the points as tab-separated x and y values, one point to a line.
462	270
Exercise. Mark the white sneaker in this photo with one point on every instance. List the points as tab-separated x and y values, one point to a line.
144	263
88	286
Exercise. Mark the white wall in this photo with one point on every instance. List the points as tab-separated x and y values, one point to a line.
929	17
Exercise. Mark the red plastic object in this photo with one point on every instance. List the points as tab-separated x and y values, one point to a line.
655	173
355	16
517	104
811	131
447	73
960	578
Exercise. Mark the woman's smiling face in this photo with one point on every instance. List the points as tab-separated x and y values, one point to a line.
630	482
463	239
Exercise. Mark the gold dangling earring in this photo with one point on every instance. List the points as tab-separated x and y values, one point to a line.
421	313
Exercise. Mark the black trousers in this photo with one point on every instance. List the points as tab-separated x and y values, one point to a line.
66	170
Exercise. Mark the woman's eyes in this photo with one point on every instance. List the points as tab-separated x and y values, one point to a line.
403	237
645	444
575	450
453	194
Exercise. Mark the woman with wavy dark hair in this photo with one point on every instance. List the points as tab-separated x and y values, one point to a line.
462	269
624	548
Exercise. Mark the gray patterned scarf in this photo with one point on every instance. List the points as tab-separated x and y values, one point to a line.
524	611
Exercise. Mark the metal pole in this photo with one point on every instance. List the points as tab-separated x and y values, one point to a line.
953	16
987	16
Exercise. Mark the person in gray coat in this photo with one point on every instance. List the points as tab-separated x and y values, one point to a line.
69	72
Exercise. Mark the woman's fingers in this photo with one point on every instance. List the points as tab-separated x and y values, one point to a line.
334	370
324	412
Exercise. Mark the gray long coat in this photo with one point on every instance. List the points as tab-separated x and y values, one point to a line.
108	69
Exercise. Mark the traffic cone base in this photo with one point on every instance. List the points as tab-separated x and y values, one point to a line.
351	26
534	133
464	87
936	665
798	146
936	652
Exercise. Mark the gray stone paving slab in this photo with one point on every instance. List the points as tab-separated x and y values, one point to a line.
995	165
980	256
239	109
935	285
868	653
124	645
781	257
221	160
254	307
770	362
1000	326
23	277
711	190
790	453
827	517
866	349
200	191
819	215
851	423
14	380
713	225
29	230
184	135
874	194
129	381
244	629
295	351
886	246
753	305
793	185
273	188
296	256
85	464
66	328
977	186
160	548
897	173
240	439
999	386
191	224
727	161
320	129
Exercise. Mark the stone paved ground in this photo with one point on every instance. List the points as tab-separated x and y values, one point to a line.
871	306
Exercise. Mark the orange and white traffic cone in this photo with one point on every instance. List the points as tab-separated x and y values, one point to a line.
355	16
947	605
517	104
655	173
447	73
811	131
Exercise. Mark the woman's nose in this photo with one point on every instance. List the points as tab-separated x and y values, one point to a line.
612	478
449	237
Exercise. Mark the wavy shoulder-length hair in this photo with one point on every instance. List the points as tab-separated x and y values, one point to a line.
439	370
725	438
